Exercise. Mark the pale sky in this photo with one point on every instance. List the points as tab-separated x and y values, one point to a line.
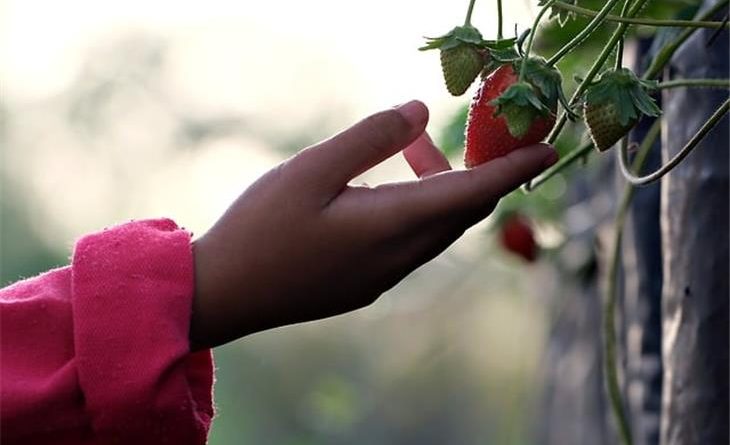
43	40
283	62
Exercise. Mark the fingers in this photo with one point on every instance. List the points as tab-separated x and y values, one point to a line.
336	161
425	158
473	191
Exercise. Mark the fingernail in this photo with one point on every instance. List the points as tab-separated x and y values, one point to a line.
551	158
415	112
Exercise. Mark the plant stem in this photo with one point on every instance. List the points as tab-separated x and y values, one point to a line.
533	31
665	54
499	19
643	21
695	83
620	48
467	21
593	71
597	65
660	61
561	165
587	31
686	150
609	309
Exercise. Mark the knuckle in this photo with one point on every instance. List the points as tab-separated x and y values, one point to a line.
385	130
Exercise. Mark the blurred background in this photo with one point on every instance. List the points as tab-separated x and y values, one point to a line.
111	111
120	110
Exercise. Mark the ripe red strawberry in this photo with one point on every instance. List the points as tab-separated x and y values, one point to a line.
517	237
488	135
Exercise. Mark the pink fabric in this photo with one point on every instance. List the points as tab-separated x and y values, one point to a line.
98	352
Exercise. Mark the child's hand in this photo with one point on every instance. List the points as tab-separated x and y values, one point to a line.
301	244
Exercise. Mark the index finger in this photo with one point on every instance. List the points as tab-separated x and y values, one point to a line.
336	161
424	158
473	191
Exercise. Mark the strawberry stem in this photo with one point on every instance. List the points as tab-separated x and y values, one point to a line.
683	153
609	328
656	67
533	31
642	21
665	54
561	165
586	149
467	21
620	48
609	308
696	83
499	19
597	65
587	31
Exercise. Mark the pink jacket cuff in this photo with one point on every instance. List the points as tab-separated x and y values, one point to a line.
98	353
132	291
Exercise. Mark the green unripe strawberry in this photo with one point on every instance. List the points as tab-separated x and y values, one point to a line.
614	104
465	54
461	65
604	124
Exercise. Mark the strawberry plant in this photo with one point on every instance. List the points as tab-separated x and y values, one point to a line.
520	101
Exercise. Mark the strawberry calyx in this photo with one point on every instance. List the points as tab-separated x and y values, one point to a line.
520	106
622	89
460	35
536	94
501	52
497	52
548	80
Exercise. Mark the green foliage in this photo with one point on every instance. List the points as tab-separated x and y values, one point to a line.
452	139
545	202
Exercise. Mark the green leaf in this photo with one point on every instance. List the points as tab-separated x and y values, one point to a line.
498	58
468	34
502	44
625	108
506	55
644	102
545	78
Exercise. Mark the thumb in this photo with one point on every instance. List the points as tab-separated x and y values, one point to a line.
337	160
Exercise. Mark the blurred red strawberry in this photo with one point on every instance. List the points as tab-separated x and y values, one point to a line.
517	236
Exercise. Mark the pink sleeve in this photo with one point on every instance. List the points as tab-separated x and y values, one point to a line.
98	352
